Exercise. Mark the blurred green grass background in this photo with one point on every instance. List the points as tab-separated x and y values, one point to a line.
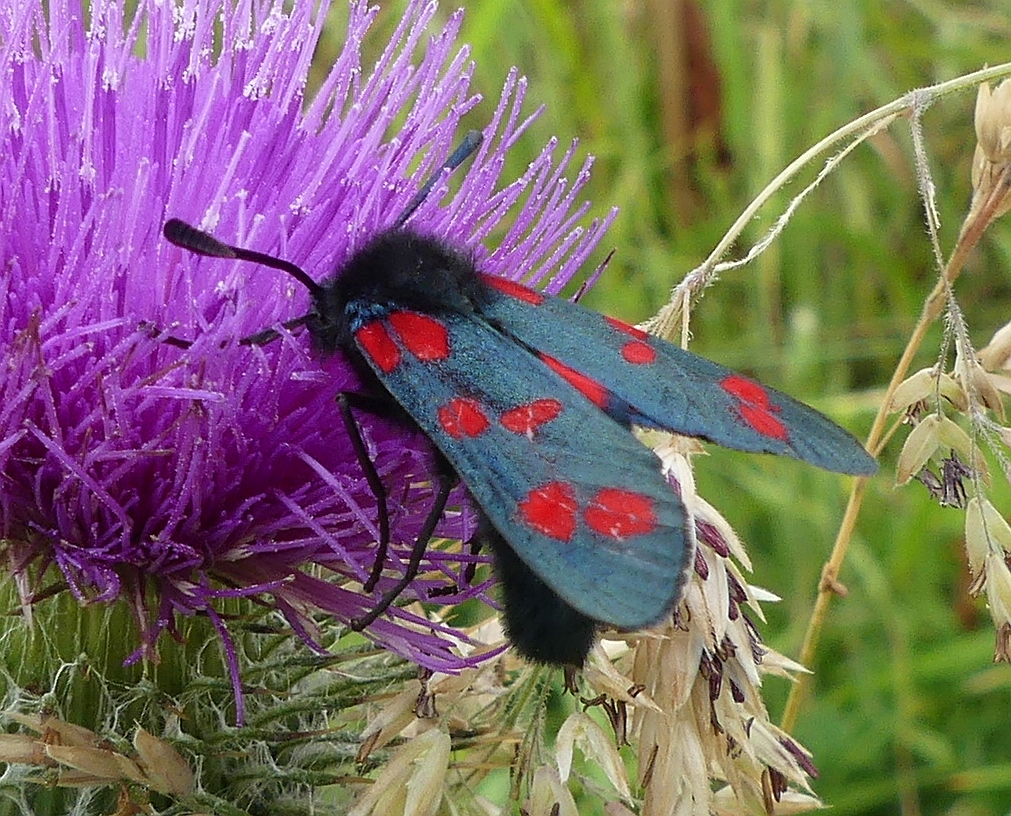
907	713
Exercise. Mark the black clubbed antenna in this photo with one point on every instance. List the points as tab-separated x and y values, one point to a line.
471	142
188	237
183	235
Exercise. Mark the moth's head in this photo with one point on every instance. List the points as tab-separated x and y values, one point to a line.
328	321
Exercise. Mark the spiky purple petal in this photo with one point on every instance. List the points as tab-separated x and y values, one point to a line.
145	454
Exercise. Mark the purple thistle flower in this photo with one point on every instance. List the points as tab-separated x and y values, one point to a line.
171	478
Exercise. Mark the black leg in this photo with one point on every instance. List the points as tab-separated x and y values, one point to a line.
467	574
152	331
344	402
471	568
261	338
446	479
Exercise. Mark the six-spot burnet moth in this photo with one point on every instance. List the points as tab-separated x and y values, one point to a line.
528	400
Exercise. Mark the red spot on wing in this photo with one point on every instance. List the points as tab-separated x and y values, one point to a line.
627	328
514	290
525	419
637	351
551	510
755	407
590	388
618	513
378	345
424	336
462	417
745	390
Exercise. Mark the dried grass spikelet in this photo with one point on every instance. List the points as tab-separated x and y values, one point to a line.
707	744
68	755
988	547
993	144
975	388
412	782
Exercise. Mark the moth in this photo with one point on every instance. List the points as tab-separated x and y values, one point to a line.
529	400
